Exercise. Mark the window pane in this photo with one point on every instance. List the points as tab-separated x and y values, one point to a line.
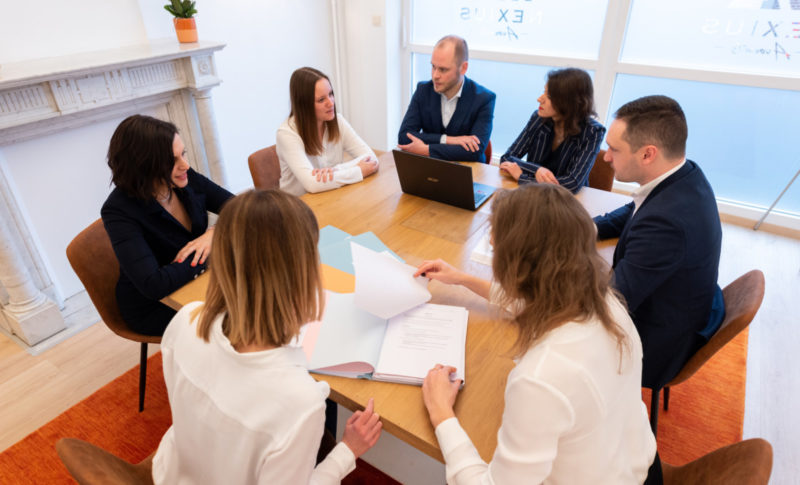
752	36
740	136
517	87
568	28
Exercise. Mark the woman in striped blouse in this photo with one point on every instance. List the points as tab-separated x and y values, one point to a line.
562	138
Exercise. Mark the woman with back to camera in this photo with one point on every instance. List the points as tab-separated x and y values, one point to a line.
156	218
244	408
561	139
318	149
573	407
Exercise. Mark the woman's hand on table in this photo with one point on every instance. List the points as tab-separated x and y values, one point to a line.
201	247
362	430
323	174
512	169
545	176
439	393
368	165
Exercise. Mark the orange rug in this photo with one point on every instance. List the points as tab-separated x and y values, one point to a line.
109	418
705	412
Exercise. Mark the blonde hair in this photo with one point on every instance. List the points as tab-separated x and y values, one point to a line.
546	262
264	270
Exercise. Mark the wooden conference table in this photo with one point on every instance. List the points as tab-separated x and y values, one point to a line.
419	229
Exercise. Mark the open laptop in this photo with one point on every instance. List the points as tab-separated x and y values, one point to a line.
447	182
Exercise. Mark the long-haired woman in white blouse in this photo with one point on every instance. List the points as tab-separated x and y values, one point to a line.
573	409
317	148
244	409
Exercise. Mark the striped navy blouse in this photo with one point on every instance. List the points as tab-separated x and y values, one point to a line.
570	163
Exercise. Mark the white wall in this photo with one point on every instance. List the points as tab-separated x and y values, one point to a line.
49	28
371	36
266	41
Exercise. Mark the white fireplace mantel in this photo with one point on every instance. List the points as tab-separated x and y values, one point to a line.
46	96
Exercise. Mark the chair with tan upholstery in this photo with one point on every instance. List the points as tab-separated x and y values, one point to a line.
742	300
748	462
265	168
601	176
91	465
93	260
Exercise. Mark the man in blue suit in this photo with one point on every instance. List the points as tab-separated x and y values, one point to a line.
450	116
667	258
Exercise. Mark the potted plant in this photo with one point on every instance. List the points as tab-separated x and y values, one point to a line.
184	11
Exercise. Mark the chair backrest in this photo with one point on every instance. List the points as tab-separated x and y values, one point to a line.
488	152
91	465
742	300
748	462
602	174
93	260
265	168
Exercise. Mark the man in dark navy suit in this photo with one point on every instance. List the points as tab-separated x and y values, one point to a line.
450	116
667	258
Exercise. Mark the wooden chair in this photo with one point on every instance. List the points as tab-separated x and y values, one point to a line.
602	174
742	300
91	465
488	152
96	265
265	168
748	462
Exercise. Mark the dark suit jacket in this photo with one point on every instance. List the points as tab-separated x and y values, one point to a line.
473	116
666	265
146	238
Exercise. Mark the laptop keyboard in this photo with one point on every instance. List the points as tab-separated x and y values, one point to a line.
480	193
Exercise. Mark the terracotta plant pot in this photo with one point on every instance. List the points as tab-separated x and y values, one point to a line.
186	29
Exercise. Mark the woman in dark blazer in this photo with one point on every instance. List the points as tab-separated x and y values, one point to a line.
561	140
156	218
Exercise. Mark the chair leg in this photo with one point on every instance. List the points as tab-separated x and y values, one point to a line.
654	411
666	398
142	375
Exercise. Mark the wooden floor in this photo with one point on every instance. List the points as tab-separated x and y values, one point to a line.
34	390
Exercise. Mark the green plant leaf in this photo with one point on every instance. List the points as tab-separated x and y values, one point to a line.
178	7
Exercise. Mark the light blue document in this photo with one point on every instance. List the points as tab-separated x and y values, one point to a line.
334	247
331	235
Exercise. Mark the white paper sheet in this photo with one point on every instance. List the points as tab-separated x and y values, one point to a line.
386	287
349	339
420	338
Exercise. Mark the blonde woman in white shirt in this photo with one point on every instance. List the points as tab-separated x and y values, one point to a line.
244	408
318	149
573	406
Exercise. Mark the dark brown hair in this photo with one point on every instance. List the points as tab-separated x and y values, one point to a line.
460	48
546	262
572	95
655	120
264	271
302	86
140	155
